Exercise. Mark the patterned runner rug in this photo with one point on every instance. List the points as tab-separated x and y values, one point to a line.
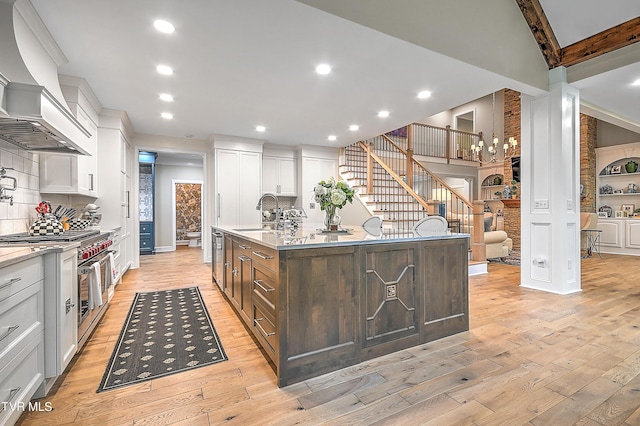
166	332
512	259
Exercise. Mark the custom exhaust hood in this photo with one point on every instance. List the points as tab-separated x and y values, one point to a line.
33	113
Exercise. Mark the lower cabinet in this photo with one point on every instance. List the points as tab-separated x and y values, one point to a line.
60	312
620	236
22	361
147	238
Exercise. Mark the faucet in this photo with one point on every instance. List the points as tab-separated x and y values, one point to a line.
3	188
259	207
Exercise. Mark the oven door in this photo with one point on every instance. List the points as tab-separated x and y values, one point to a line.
87	317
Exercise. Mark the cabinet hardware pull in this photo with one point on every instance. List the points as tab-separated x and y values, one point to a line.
11	281
262	255
13	392
243	247
128	206
227	264
90	181
218	205
266	289
9	331
244	258
257	321
235	272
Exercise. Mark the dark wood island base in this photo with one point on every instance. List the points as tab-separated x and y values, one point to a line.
319	308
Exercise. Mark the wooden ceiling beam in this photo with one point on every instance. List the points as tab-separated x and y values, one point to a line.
541	30
606	41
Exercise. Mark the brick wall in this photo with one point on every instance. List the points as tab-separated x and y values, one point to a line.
512	223
512	129
511	125
588	140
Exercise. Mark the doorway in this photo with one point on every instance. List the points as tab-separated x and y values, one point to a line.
187	213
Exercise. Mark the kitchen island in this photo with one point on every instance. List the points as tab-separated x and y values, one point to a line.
320	302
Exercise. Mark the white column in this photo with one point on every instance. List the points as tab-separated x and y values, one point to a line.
550	176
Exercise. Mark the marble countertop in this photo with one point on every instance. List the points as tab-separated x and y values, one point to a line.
310	236
10	254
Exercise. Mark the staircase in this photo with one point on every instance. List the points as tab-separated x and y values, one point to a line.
400	190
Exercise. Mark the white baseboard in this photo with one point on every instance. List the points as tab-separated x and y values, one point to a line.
164	249
478	269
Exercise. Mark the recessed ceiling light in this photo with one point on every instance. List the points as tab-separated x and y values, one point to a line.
164	69
636	83
166	97
260	129
166	115
424	94
323	69
383	114
332	137
354	127
164	26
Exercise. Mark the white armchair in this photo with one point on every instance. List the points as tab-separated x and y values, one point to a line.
497	242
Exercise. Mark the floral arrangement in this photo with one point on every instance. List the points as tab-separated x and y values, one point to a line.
331	194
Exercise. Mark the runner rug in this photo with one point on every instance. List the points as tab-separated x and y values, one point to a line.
166	332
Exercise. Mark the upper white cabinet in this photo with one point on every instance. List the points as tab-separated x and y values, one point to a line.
115	169
237	182
74	174
279	175
618	183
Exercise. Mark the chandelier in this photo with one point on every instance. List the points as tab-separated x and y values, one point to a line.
509	148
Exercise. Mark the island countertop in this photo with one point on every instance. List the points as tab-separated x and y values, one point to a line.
309	235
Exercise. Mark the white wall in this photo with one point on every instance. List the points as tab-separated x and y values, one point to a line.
164	198
18	217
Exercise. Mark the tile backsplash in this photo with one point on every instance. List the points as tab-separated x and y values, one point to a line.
26	170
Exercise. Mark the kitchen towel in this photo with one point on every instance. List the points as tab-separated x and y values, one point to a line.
110	270
95	292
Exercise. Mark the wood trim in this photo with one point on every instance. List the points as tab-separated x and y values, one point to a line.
511	203
606	41
542	31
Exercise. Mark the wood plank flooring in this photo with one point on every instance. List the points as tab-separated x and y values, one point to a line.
530	358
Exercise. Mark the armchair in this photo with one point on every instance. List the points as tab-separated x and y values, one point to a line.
497	242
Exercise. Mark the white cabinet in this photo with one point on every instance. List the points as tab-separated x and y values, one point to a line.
115	167
316	166
279	175
238	175
61	311
73	174
21	336
619	191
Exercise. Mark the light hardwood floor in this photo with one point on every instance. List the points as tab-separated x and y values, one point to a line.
530	358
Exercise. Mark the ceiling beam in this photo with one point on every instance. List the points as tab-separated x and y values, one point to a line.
541	30
604	42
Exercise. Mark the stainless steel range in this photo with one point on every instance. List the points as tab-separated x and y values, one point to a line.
66	237
94	248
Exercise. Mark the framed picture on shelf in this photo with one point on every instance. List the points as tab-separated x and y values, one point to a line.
615	170
603	215
628	209
619	214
